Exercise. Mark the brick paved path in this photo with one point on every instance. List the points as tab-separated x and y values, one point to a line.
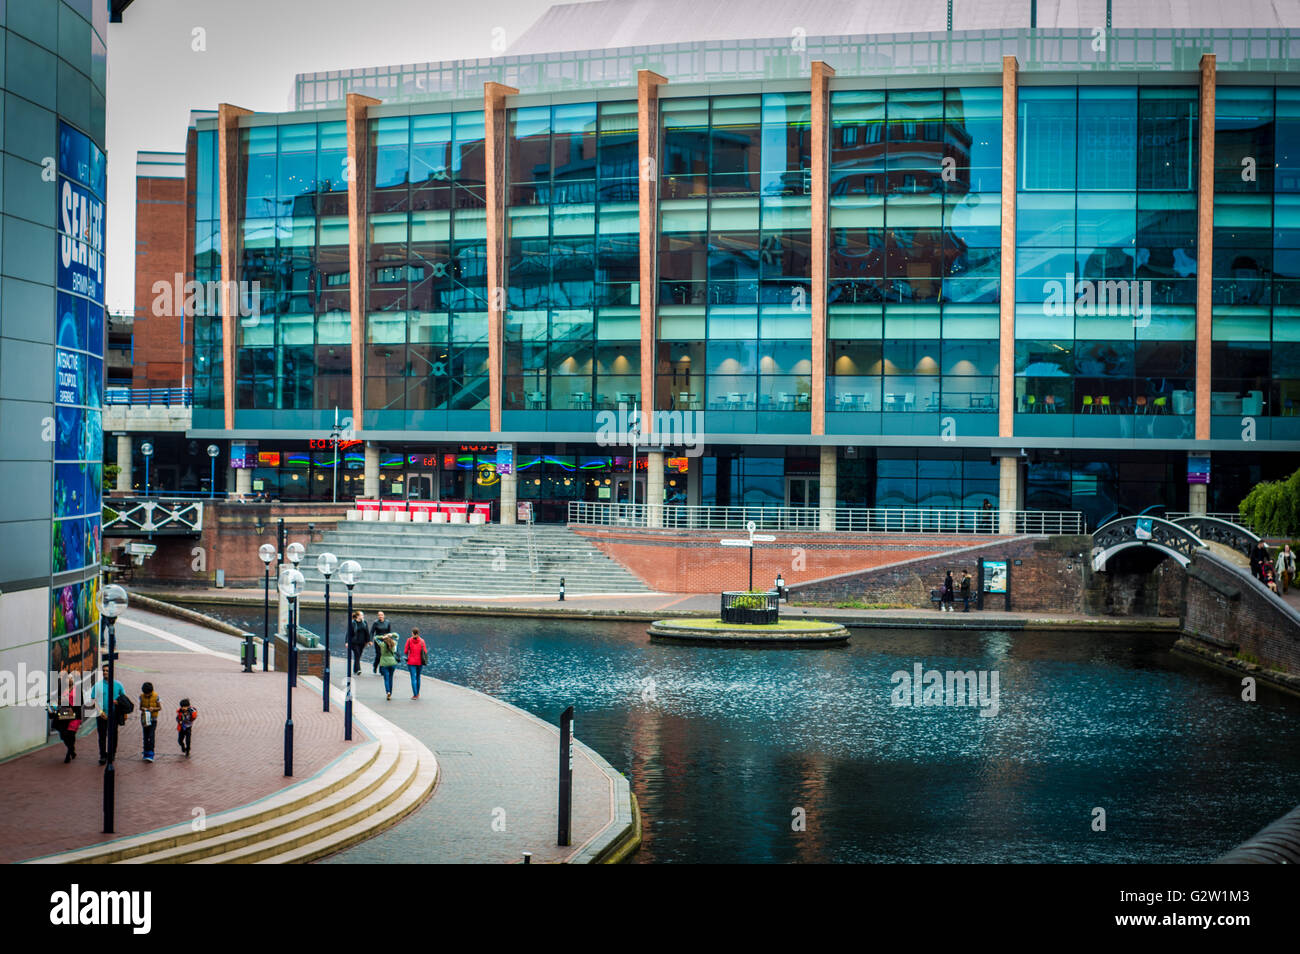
491	756
237	747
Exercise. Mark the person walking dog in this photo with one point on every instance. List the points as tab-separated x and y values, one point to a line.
416	653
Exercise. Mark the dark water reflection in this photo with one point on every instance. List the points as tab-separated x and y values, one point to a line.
724	746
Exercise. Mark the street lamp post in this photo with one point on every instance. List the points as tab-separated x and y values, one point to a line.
349	573
635	435
147	450
267	553
290	583
112	602
327	563
213	451
294	553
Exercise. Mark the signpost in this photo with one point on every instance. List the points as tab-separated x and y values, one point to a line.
566	777
749	542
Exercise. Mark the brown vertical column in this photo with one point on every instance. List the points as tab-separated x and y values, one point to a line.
191	204
821	107
1205	248
1007	283
647	142
494	142
358	133
228	168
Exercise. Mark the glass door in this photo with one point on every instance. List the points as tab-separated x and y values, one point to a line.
420	485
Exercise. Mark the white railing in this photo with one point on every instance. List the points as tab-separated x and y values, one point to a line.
858	519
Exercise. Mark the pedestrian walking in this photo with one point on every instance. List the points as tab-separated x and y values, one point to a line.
358	637
150	706
965	589
948	593
1258	557
185	717
986	516
66	721
416	653
1286	566
386	653
107	739
380	627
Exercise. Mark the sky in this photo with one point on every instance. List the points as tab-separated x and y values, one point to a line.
251	51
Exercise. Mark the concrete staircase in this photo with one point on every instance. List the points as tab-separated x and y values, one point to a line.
372	787
470	560
393	556
501	561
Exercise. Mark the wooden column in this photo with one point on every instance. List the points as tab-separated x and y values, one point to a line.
647	140
358	135
1007	282
1205	248
821	107
494	143
227	171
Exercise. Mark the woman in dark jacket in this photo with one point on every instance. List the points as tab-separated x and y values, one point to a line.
947	593
358	636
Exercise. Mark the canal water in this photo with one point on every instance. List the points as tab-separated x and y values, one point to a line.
769	755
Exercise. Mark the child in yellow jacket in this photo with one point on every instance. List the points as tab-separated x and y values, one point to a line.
150	706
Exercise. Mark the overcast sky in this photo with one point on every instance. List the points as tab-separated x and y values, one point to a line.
253	50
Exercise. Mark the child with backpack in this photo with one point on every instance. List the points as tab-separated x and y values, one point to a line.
185	717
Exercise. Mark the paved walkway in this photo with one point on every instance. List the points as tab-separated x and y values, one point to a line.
237	754
497	793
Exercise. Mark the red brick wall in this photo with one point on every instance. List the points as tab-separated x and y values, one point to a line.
694	562
230	541
160	242
1050	578
1231	610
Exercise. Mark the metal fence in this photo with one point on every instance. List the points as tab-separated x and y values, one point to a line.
1230	517
857	519
149	397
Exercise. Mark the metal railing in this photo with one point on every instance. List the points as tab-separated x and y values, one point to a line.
149	397
133	516
855	519
1230	517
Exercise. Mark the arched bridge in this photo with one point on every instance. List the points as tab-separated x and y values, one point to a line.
1218	530
1175	540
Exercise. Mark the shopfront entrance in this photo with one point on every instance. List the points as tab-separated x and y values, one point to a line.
623	488
802	491
421	485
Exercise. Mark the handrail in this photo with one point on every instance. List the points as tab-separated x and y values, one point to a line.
851	519
149	397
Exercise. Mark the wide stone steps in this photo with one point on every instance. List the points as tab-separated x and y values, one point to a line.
468	560
372	787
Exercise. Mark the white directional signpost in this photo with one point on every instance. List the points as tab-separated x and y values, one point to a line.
749	542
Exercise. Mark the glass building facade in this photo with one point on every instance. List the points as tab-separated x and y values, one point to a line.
920	361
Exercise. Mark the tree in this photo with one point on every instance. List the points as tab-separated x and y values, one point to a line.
1272	508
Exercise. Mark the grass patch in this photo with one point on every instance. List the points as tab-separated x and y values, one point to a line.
1248	657
781	626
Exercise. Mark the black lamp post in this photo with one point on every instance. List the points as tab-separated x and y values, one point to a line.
327	563
112	602
268	553
213	451
147	450
349	573
294	553
290	583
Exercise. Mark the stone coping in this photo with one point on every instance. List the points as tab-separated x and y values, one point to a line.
810	632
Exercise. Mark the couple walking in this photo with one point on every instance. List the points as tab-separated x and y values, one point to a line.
387	658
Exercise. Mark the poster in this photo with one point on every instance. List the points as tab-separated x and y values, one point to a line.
995	576
1143	529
